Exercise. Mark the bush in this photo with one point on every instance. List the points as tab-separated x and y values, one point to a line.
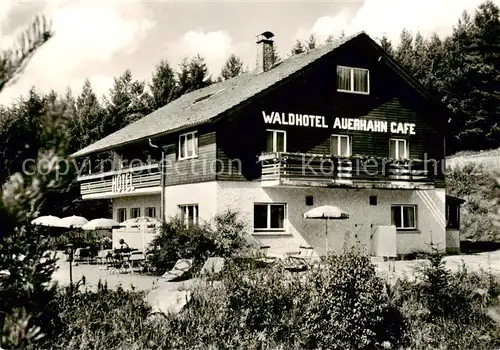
479	187
223	236
104	319
341	306
447	311
25	287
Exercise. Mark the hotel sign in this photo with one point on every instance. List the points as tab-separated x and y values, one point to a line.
122	183
355	124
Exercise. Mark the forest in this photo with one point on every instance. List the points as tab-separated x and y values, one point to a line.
462	70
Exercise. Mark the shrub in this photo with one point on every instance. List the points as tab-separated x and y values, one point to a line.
223	236
104	319
26	289
447	311
479	187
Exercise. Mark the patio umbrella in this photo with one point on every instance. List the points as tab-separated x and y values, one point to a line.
100	224
326	212
48	220
72	221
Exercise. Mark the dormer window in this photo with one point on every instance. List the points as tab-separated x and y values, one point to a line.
355	80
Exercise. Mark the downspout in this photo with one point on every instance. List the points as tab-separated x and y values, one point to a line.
162	181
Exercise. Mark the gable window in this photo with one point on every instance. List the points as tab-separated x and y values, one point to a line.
340	145
151	212
404	217
351	79
188	145
269	217
399	149
122	214
275	141
189	214
135	212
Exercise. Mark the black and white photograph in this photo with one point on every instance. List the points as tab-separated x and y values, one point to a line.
250	174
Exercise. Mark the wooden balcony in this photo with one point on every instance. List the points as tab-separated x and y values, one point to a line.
299	169
130	181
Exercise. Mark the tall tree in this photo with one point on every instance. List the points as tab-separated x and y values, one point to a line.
163	85
87	124
404	52
193	75
473	63
128	102
386	44
232	68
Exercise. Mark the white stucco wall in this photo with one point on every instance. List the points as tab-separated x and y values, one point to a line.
142	202
453	241
359	227
204	194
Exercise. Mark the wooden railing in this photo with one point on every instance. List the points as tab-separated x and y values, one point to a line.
290	168
147	177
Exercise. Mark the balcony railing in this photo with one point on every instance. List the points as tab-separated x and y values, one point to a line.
320	170
120	182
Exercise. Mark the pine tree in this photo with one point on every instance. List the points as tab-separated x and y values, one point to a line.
404	52
232	68
163	85
310	43
386	44
192	75
128	102
298	48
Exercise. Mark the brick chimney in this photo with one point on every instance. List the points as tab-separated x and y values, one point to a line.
265	54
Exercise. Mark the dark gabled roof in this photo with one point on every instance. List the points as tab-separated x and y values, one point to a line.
201	106
204	105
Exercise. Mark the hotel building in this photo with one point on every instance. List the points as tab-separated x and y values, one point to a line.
340	125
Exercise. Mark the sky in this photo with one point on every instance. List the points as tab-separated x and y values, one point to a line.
99	39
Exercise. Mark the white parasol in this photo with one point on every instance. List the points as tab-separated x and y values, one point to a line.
326	212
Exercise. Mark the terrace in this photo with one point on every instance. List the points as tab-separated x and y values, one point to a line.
302	169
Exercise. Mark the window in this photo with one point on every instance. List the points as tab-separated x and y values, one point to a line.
309	200
135	212
269	217
188	145
276	141
122	214
399	149
353	80
340	145
151	212
373	200
189	214
452	216
404	217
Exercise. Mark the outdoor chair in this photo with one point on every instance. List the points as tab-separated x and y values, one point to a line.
213	265
181	267
136	260
299	261
102	256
